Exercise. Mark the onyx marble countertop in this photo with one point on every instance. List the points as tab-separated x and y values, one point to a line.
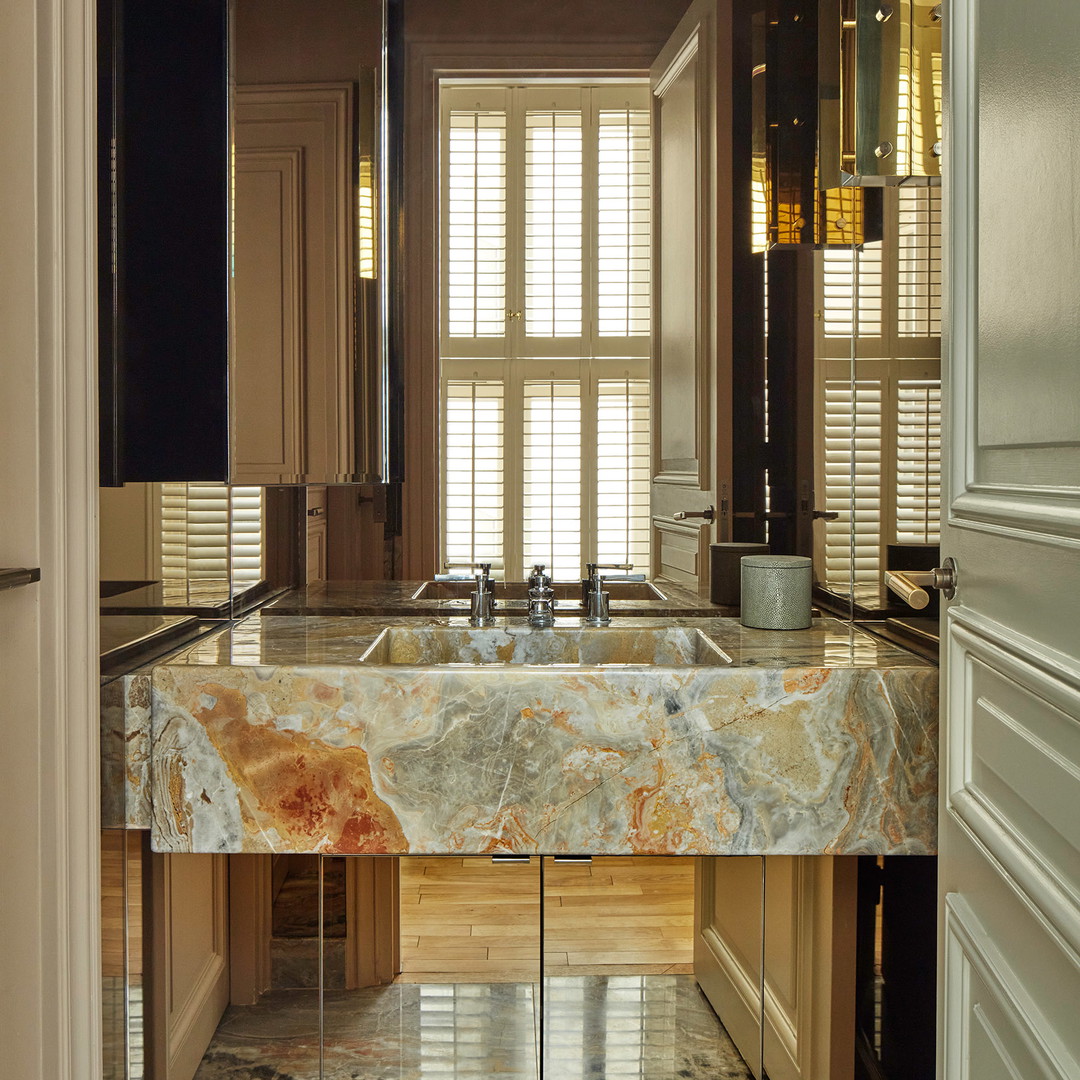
206	598
272	736
357	598
337	640
126	641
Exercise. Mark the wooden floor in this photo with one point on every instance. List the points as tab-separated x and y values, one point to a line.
469	920
625	915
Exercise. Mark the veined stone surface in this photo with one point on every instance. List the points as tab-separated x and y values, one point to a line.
272	737
125	752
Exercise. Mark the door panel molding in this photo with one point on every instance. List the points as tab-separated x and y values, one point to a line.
1039	515
268	374
680	552
980	989
190	980
1009	839
1017	718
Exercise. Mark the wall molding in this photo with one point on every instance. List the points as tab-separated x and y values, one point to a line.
55	971
1013	851
969	949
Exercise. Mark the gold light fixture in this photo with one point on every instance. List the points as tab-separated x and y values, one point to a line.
890	91
799	198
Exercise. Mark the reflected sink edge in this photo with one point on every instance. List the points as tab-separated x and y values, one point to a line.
543	648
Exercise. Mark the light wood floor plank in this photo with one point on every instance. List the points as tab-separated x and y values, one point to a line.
468	919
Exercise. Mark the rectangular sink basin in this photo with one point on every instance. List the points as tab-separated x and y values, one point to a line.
550	646
519	590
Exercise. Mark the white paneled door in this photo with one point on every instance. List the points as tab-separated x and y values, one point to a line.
691	431
1010	823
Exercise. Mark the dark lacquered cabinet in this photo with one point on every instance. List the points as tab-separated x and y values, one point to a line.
163	240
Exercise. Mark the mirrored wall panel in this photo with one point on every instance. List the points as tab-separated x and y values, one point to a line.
651	968
122	956
251	967
881	418
441	969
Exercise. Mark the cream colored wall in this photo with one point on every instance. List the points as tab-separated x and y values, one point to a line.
612	22
50	1004
296	41
127	548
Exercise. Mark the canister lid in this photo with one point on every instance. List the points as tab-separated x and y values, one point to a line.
777	562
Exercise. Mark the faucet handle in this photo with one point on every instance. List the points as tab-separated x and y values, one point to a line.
592	568
483	567
539	578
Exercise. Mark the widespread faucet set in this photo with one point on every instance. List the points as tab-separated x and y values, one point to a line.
595	602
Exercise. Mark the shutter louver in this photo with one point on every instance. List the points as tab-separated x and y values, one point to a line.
624	223
623	474
918	461
852	297
246	534
553	224
476	228
551	487
853	465
919	263
211	532
473	479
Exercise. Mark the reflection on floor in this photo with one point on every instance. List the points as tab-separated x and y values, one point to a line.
619	1001
620	1027
634	1027
123	1054
294	947
400	1032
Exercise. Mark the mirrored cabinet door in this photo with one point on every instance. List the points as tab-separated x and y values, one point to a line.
651	968
441	971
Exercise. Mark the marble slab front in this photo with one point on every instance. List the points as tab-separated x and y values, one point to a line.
272	736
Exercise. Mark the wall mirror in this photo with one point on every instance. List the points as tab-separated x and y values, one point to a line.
239	311
305	396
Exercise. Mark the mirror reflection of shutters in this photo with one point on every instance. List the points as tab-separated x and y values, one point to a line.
212	531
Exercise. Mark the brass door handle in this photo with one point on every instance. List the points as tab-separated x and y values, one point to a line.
911	585
708	514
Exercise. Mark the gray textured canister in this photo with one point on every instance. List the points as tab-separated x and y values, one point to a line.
725	570
776	592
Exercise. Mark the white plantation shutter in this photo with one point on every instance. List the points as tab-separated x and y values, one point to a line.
849	274
211	531
918	461
880	309
474	210
473	489
623	519
552	487
624	223
919	263
553	224
853	468
564	377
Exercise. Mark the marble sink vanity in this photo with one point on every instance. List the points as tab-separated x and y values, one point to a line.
368	735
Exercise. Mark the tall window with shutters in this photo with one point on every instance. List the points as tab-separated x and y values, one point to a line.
545	234
879	420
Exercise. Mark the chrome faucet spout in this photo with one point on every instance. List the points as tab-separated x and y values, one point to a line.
482	599
595	601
